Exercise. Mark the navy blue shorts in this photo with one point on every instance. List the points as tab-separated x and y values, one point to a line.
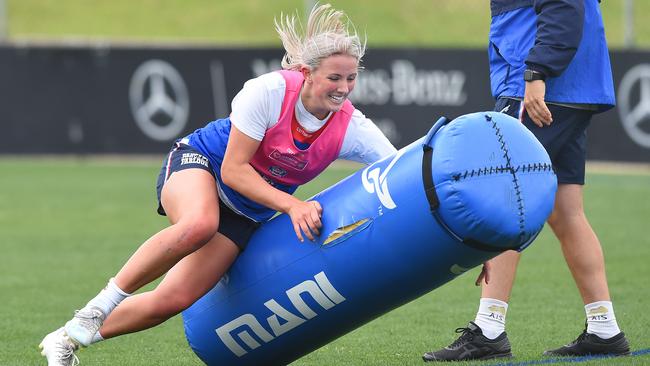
235	227
565	140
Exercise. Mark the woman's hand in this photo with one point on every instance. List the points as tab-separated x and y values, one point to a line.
238	174
305	216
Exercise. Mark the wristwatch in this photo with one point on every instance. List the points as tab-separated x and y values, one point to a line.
531	75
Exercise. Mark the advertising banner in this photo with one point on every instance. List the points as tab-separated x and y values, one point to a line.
106	99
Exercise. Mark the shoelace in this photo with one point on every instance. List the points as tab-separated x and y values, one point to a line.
467	335
65	352
91	319
580	338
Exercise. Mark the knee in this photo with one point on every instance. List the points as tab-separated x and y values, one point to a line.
570	226
553	220
566	218
568	211
559	224
194	232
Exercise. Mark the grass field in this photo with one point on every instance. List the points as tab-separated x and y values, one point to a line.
68	224
434	23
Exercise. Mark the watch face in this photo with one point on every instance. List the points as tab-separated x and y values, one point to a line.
530	75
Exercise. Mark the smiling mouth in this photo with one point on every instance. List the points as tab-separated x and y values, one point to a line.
337	99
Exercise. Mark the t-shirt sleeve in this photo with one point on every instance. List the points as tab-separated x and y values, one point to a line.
364	142
255	108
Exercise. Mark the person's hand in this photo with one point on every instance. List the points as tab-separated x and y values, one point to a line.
484	275
305	217
534	103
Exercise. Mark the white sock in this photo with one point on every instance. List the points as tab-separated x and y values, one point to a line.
601	320
109	297
97	338
491	317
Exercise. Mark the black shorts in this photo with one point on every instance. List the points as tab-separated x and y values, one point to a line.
565	140
235	227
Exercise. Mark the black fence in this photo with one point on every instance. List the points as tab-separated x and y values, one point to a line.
134	100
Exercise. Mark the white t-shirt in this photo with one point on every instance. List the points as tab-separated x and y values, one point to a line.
256	108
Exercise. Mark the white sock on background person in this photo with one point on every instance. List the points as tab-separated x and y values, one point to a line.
601	320
491	317
108	298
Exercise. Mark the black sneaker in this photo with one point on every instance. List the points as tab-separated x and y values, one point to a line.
472	345
591	344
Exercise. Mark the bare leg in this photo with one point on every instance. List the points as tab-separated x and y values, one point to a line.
584	256
580	245
192	205
185	283
502	276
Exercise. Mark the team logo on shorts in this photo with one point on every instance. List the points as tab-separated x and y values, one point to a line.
194	158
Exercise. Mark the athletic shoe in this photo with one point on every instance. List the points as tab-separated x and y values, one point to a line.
591	344
59	349
84	325
472	345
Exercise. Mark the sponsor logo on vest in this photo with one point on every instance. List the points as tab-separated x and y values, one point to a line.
374	181
321	291
290	160
159	100
194	158
276	171
303	132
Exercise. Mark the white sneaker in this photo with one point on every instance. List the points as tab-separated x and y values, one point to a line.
59	349
84	325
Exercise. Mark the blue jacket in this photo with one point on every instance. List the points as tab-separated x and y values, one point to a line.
564	39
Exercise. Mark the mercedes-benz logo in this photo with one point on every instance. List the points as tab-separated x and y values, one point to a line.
635	111
159	100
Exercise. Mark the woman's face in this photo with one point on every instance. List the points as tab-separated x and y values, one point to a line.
328	86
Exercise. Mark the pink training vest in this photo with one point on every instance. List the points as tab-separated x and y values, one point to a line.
278	158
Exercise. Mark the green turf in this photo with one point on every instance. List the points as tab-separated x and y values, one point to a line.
439	23
66	225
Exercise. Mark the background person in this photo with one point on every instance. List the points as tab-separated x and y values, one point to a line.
220	182
549	67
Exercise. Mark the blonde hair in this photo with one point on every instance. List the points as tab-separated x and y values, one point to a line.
327	34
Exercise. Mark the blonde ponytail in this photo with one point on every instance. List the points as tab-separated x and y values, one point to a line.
327	34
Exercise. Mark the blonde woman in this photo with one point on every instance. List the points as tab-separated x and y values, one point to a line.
218	184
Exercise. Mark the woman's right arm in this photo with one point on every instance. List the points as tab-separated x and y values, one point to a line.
238	174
